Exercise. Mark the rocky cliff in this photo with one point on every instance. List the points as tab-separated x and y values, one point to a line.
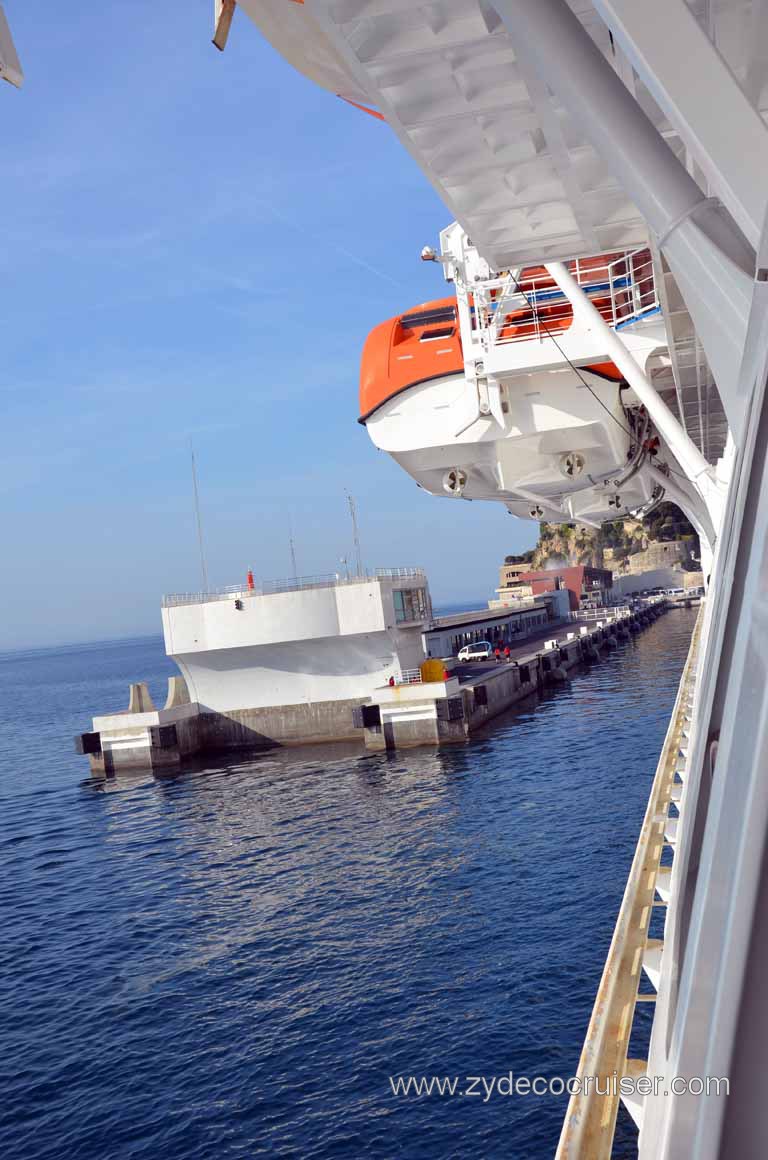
619	546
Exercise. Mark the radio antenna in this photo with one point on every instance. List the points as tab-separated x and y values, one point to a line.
198	520
292	546
355	534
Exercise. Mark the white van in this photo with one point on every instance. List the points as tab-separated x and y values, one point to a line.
481	650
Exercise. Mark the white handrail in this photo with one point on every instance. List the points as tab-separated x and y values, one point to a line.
292	584
590	1120
627	282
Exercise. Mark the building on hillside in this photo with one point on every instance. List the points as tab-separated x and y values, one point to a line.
588	587
657	554
513	596
510	572
636	583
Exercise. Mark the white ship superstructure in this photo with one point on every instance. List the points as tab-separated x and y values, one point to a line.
635	134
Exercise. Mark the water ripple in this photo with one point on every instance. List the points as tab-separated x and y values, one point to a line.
232	962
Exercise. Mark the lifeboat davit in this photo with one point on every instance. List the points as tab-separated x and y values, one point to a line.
560	438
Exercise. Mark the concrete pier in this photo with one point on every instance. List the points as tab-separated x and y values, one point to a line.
143	737
416	711
443	712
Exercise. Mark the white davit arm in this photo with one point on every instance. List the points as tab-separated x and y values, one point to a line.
223	11
10	65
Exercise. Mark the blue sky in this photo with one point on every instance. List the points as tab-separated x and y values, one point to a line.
195	246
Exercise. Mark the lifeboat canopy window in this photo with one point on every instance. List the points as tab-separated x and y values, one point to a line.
429	317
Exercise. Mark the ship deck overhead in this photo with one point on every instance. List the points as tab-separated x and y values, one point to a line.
519	163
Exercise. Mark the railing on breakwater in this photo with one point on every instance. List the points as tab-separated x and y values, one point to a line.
590	1121
611	611
292	584
605	612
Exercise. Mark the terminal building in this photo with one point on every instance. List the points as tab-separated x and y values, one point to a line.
499	625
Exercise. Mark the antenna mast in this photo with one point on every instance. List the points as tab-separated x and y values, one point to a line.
198	520
355	534
295	572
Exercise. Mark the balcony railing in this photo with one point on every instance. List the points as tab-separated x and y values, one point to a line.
527	305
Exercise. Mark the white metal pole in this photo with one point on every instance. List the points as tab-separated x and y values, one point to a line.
199	522
687	453
563	517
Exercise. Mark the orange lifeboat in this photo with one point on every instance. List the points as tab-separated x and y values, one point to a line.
425	343
409	349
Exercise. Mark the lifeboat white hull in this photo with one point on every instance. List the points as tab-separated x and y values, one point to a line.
565	440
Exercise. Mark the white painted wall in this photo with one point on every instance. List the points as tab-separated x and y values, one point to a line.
559	601
296	672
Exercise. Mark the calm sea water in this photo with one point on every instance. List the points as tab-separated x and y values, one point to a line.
233	961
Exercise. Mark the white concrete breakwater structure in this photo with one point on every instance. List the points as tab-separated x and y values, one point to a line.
310	641
334	658
276	663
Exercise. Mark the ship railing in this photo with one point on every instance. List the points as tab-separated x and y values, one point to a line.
633	288
622	286
590	1121
409	677
292	584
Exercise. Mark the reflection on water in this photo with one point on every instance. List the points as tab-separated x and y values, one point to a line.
232	961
